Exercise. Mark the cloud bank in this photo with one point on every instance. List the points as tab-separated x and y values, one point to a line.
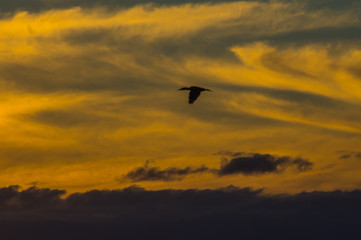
138	213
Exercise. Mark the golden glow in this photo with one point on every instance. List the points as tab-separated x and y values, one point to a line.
88	94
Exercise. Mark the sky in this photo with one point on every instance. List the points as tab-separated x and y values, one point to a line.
90	107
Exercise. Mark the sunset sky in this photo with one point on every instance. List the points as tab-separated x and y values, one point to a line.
89	100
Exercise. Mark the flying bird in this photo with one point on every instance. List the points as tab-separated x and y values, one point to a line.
194	92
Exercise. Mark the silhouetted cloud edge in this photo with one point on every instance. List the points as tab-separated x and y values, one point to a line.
148	173
137	213
240	163
256	163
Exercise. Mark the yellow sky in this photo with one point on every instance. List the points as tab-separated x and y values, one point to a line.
89	94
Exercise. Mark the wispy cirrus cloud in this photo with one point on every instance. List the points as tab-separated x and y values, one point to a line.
92	85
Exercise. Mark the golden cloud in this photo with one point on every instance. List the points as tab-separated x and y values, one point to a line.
90	93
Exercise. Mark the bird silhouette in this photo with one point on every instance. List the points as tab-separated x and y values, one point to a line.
194	92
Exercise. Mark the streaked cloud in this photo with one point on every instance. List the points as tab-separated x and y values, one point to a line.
89	91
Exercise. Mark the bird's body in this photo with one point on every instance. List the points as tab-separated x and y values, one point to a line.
194	92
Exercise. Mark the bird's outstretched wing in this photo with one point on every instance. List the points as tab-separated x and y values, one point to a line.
193	95
184	88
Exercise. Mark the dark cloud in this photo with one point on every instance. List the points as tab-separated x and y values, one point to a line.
330	4
215	41
308	101
90	72
302	164
96	75
349	154
147	173
331	35
277	63
43	5
355	70
63	118
74	117
23	154
241	163
135	213
11	199
260	164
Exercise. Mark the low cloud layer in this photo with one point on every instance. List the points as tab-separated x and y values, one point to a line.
260	164
136	213
240	163
147	173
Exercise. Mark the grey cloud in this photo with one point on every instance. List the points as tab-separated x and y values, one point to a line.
349	113
331	35
349	155
210	42
12	199
215	41
43	5
90	72
260	164
75	117
63	118
136	213
355	70
147	173
149	77
330	4
300	97
96	75
15	155
277	63
241	163
302	164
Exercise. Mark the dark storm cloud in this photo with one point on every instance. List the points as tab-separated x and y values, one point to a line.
135	213
260	164
147	173
11	199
